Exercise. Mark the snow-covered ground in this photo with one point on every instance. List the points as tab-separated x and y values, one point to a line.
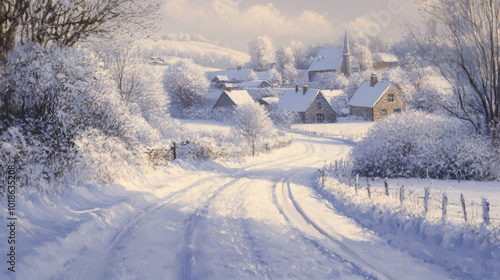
206	126
252	218
343	126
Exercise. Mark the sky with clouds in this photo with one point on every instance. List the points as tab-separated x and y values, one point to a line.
235	22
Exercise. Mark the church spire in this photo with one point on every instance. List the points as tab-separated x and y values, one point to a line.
346	58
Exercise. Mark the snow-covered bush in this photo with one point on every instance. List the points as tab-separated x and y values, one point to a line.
252	123
185	82
53	100
418	145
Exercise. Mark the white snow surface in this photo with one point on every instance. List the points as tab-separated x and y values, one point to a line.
240	97
253	218
385	57
297	101
367	96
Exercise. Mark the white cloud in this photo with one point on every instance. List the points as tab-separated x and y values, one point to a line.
226	17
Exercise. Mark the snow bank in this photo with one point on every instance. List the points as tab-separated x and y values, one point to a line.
465	251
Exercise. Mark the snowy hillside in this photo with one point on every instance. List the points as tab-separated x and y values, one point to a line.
205	54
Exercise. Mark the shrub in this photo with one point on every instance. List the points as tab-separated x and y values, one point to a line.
419	145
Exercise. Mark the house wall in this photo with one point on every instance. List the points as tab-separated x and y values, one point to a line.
363	112
312	74
312	112
223	101
384	103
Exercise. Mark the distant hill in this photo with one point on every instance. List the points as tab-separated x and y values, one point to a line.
203	53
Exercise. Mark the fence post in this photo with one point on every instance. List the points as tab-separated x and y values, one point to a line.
444	204
368	187
350	178
402	194
386	184
426	200
356	184
174	152
486	211
462	199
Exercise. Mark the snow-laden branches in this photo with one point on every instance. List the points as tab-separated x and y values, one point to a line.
464	45
252	122
185	81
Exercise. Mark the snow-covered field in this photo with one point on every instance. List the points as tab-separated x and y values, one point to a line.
206	126
349	127
252	218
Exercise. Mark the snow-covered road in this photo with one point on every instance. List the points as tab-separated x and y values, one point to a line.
257	218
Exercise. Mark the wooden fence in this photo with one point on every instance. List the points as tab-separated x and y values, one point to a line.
333	134
432	204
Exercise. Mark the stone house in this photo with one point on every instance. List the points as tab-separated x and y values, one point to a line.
310	104
376	100
232	98
332	61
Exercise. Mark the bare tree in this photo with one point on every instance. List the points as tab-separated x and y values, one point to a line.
185	81
464	45
254	124
131	76
11	12
64	22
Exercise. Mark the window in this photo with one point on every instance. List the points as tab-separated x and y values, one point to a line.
319	105
384	112
320	118
391	98
397	110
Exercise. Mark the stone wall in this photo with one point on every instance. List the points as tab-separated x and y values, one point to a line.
384	104
363	112
313	111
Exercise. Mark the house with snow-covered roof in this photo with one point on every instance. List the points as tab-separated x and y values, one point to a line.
269	102
255	84
310	104
220	79
232	98
332	61
384	60
376	100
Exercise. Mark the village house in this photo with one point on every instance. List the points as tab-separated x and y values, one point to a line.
232	98
310	104
255	84
375	100
332	61
384	61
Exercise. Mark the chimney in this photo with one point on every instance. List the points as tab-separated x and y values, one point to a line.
296	88
304	89
374	80
229	89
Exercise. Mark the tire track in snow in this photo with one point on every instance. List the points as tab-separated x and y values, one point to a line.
83	271
287	194
323	250
253	259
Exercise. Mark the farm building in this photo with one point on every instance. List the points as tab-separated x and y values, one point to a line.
232	98
375	100
310	104
384	60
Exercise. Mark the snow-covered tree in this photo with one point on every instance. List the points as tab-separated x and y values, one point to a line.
275	76
290	74
363	56
185	82
330	81
299	53
465	47
261	53
49	23
252	122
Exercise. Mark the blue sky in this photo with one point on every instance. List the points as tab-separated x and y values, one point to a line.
235	22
